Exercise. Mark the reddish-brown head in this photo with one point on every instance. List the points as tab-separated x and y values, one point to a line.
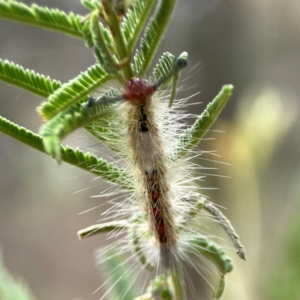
138	90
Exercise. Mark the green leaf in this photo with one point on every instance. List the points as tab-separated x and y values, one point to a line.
44	17
178	65
134	235
168	69
102	228
85	161
44	86
192	136
101	128
26	79
198	202
86	32
74	91
159	289
92	5
11	289
135	20
164	66
103	53
101	131
96	7
21	134
66	122
153	35
98	166
216	255
120	276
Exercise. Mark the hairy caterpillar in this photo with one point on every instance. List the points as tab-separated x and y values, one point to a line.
160	230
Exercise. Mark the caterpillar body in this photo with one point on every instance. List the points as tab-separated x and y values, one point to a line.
161	228
148	154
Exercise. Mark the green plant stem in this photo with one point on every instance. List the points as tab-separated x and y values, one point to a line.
177	284
116	32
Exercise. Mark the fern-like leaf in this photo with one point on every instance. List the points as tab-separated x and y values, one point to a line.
52	19
100	128
192	136
26	79
66	122
164	67
168	69
98	166
85	161
95	6
153	35
216	254
21	134
74	91
135	20
103	53
92	5
44	86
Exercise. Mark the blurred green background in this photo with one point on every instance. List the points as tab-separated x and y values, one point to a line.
255	45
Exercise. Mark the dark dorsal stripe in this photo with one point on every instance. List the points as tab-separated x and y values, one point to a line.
143	120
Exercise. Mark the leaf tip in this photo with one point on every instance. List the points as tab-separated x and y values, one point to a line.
228	89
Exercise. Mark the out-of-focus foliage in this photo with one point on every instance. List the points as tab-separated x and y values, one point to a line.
267	218
11	289
285	274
